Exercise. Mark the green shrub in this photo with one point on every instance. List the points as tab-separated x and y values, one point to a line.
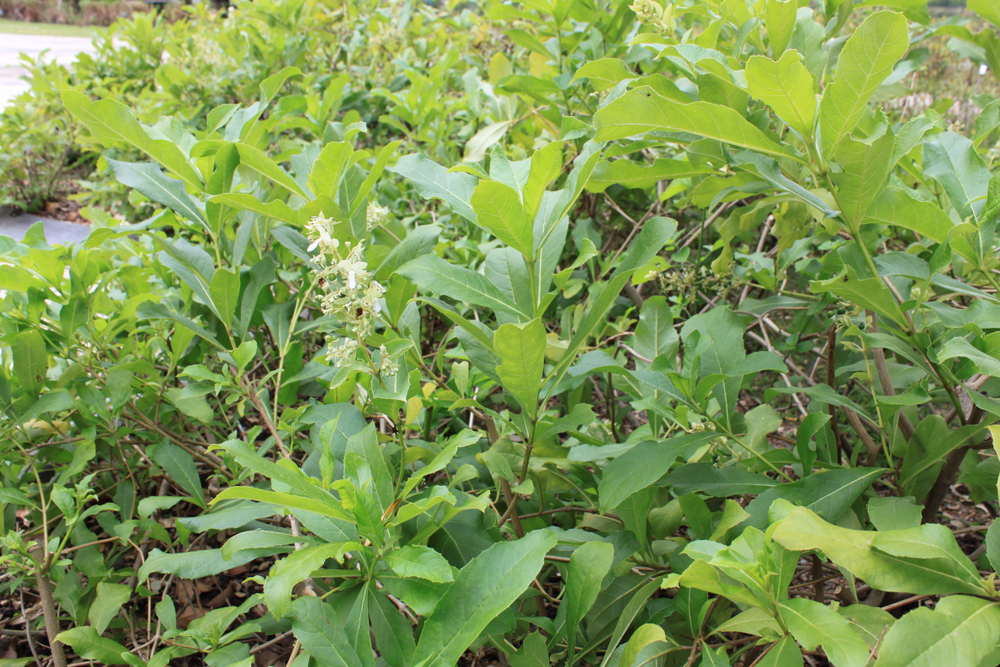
581	333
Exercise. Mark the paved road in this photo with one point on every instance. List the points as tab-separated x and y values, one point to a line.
56	232
61	49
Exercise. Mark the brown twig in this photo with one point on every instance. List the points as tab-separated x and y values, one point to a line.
48	601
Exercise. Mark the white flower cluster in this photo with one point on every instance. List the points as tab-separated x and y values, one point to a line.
376	215
350	292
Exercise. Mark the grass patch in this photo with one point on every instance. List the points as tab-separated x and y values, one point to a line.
56	29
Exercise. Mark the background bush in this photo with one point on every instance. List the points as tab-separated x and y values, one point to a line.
555	333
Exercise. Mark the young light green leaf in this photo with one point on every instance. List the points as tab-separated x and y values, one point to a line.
277	210
296	567
499	211
786	86
225	292
30	360
490	583
87	643
521	349
867	59
814	624
604	74
643	636
865	170
107	604
642	110
779	19
953	161
891	513
256	160
802	529
112	122
959	631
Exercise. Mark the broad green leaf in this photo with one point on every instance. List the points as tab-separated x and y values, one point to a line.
604	74
257	539
546	165
180	466
13	496
783	653
106	605
779	19
436	275
952	160
958	631
30	360
521	349
329	168
866	60
987	9
961	348
434	181
148	179
198	564
296	567
915	10
891	513
278	210
896	208
505	268
499	211
153	311
261	275
802	529
717	482
256	160
631	174
814	624
490	583
392	631
642	110
588	566
321	631
420	562
993	544
786	86
655	334
532	653
636	604
375	479
270	86
869	293
87	643
112	122
642	465
485	139
865	171
829	494
225	292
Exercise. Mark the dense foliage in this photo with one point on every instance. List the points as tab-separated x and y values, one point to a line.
570	332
